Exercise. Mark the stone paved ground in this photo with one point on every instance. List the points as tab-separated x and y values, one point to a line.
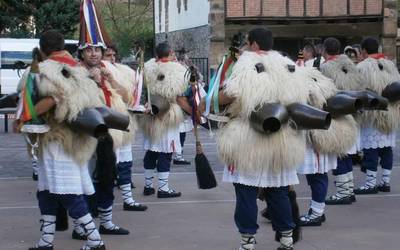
199	219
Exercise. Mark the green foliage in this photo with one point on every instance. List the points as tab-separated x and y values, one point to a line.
14	18
127	24
29	18
62	15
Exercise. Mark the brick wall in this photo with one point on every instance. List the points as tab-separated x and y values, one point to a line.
356	7
273	7
296	7
312	7
335	8
374	7
234	8
278	8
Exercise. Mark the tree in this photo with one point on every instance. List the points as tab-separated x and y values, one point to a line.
62	15
29	18
128	22
15	18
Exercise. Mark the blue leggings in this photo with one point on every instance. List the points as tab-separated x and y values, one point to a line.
159	160
73	203
344	166
371	158
246	210
319	186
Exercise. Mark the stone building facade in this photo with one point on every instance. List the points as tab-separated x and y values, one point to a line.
295	22
184	24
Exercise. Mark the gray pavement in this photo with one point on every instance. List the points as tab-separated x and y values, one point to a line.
200	219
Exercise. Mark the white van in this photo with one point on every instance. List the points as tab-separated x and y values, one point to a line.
15	56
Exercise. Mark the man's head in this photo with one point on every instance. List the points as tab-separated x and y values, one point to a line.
110	54
163	50
51	41
369	46
309	52
91	55
260	39
331	46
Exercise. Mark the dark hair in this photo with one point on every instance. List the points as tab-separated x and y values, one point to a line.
51	41
332	46
113	47
263	37
310	48
163	50
370	44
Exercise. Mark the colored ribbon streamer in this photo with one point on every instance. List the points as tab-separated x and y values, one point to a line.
214	87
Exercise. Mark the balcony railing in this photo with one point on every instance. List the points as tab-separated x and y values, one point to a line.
302	9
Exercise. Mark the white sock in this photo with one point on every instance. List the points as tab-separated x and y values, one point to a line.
286	239
350	186
78	228
93	236
386	176
247	242
148	178
127	195
48	229
370	179
317	209
342	186
163	181
105	216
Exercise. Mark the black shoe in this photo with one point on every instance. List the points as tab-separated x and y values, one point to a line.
77	236
132	185
34	177
135	207
102	247
265	213
115	231
369	190
148	191
181	162
306	221
353	198
285	248
323	217
384	187
41	248
333	200
168	194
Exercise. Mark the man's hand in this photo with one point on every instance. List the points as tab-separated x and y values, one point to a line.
108	76
95	74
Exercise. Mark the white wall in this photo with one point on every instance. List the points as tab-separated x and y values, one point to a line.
196	14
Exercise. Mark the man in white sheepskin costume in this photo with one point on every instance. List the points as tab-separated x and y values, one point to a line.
127	78
345	75
254	160
378	130
64	177
114	95
165	80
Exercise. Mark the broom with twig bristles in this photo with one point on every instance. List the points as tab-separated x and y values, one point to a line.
205	175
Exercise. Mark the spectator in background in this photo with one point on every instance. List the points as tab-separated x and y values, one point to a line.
111	54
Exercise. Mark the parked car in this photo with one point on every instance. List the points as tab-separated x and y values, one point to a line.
16	56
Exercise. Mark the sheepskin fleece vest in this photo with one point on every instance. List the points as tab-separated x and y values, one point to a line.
73	91
342	133
238	143
173	84
126	77
376	74
343	72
